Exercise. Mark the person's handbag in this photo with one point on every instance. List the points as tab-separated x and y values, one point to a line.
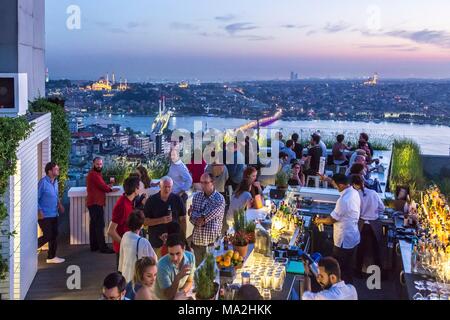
137	248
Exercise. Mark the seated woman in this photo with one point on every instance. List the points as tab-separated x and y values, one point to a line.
339	157
142	285
402	198
251	174
241	199
358	152
359	161
297	178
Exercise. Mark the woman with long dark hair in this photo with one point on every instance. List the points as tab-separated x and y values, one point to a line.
251	175
143	175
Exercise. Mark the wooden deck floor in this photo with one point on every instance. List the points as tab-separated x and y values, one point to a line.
50	280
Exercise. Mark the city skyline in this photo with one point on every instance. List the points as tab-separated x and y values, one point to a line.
250	40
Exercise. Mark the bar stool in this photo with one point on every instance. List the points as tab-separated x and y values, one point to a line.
316	180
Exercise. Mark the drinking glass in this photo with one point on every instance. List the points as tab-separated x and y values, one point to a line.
266	281
245	278
266	294
277	282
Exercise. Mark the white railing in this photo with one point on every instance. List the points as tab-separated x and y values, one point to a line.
79	214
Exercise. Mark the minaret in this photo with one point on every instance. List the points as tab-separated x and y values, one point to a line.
113	78
107	78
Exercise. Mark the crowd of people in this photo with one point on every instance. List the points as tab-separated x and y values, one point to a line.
155	260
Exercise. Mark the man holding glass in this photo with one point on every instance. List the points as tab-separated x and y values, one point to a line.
96	199
175	270
162	209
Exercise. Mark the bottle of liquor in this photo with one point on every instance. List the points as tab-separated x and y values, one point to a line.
225	243
414	255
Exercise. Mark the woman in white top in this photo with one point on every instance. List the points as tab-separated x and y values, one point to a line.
241	199
369	226
133	247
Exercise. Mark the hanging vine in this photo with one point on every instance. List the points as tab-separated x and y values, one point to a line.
12	132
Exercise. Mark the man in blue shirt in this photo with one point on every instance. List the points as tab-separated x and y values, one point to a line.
48	208
289	150
236	167
175	270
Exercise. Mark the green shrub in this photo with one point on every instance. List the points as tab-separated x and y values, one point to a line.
12	132
60	136
120	171
407	168
444	185
157	167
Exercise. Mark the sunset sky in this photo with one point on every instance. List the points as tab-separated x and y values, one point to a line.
249	39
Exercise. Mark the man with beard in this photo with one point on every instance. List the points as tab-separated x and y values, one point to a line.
329	278
96	198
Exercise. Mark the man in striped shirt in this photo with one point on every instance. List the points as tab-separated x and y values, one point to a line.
206	214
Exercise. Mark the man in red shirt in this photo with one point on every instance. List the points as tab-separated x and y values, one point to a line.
122	209
96	199
196	169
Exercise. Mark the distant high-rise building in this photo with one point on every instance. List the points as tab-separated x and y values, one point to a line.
47	78
294	76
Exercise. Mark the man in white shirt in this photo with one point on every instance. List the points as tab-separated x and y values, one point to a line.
329	278
344	219
369	225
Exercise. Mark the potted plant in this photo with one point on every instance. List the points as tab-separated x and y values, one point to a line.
250	231
240	242
240	239
204	279
281	180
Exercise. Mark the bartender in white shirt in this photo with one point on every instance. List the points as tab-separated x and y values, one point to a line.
371	229
329	278
344	219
